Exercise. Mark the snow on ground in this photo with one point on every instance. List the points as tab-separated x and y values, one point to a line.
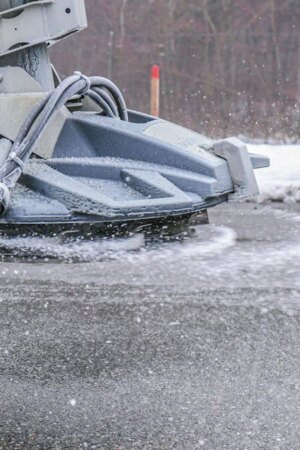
281	181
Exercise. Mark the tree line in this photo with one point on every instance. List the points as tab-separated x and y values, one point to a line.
228	66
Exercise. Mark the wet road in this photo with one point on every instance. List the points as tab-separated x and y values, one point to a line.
190	346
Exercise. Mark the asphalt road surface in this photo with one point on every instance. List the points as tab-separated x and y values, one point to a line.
187	346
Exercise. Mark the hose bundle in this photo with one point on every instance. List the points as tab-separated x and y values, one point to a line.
101	90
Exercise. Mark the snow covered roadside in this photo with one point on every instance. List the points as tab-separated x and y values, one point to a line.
281	181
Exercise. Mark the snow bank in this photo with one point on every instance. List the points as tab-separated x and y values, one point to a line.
281	181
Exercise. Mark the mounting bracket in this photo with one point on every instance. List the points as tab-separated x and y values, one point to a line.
39	22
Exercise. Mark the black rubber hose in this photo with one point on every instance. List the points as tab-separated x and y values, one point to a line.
108	100
36	122
30	119
101	102
115	92
55	102
40	116
49	107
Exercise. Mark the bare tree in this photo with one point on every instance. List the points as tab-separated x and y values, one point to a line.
228	66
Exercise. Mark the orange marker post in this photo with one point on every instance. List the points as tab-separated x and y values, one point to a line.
155	90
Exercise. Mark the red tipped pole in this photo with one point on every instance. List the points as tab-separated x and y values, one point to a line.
155	90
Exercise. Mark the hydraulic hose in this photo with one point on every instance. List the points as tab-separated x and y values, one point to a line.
103	91
101	102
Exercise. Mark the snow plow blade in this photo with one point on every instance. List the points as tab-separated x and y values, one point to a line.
71	152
